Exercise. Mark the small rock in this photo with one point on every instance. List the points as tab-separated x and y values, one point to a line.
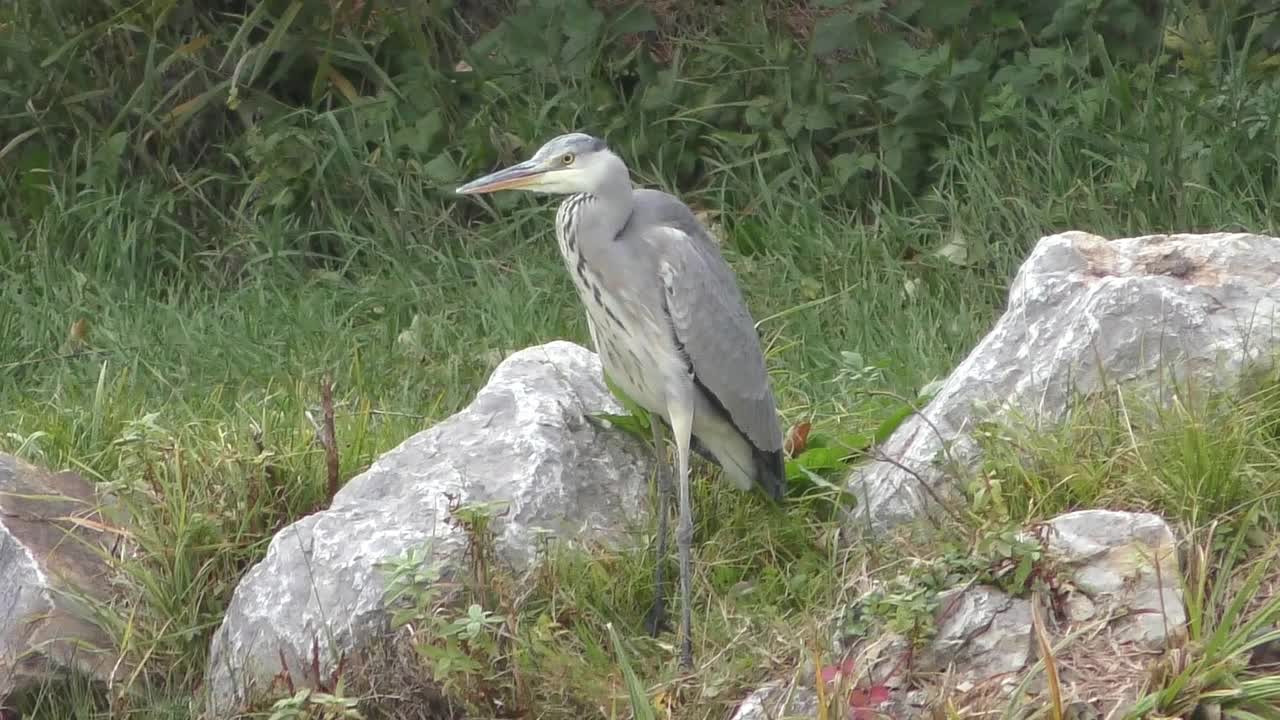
1265	657
1123	560
1080	710
982	631
777	700
880	660
526	442
49	558
1084	314
916	698
1079	608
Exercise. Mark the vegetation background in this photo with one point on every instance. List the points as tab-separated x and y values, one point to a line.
208	207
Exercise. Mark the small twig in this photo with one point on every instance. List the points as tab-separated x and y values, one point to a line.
328	437
392	413
916	411
880	456
1041	633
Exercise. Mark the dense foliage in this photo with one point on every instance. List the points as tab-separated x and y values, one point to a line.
239	113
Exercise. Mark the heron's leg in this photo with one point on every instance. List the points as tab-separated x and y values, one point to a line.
657	618
682	427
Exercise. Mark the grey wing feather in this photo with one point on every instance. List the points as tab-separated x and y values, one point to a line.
710	319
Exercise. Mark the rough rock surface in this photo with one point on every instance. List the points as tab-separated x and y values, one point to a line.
983	631
526	441
1122	560
49	559
1121	576
1116	565
776	700
1085	313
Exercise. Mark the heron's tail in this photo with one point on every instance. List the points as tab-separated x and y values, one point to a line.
771	473
743	463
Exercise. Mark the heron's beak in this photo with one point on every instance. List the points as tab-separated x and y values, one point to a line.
526	174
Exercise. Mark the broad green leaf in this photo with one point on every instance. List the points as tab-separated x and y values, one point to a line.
943	14
822	458
442	169
635	19
836	32
891	423
818	117
582	31
628	423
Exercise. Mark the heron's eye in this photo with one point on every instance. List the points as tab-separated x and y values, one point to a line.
567	158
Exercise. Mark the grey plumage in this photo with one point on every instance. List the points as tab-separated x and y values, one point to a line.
668	321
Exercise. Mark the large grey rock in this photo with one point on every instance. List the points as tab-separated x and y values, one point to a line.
1085	314
1121	561
526	441
1120	576
51	563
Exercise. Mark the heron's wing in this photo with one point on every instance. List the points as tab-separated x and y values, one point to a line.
710	321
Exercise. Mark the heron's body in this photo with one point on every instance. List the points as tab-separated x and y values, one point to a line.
668	321
614	272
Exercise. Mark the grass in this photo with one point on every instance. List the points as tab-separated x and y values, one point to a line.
184	385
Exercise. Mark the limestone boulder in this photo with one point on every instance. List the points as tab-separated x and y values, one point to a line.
1124	563
54	550
1118	579
529	446
1085	314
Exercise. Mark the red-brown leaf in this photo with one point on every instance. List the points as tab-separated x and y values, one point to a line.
864	701
797	439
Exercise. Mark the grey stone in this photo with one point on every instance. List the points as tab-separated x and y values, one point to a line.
777	701
527	441
983	632
1120	570
1085	314
1123	561
52	550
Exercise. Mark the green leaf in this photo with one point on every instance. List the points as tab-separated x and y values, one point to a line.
628	423
793	122
836	32
943	14
583	31
968	66
855	442
442	169
274	39
822	458
625	401
891	423
798	474
818	117
635	19
420	137
906	9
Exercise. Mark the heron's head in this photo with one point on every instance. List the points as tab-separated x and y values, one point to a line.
567	164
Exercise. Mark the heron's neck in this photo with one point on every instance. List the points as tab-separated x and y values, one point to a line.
609	205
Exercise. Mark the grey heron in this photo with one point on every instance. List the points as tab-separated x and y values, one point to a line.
670	325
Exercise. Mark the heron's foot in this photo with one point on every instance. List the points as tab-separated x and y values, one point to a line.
686	654
655	621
